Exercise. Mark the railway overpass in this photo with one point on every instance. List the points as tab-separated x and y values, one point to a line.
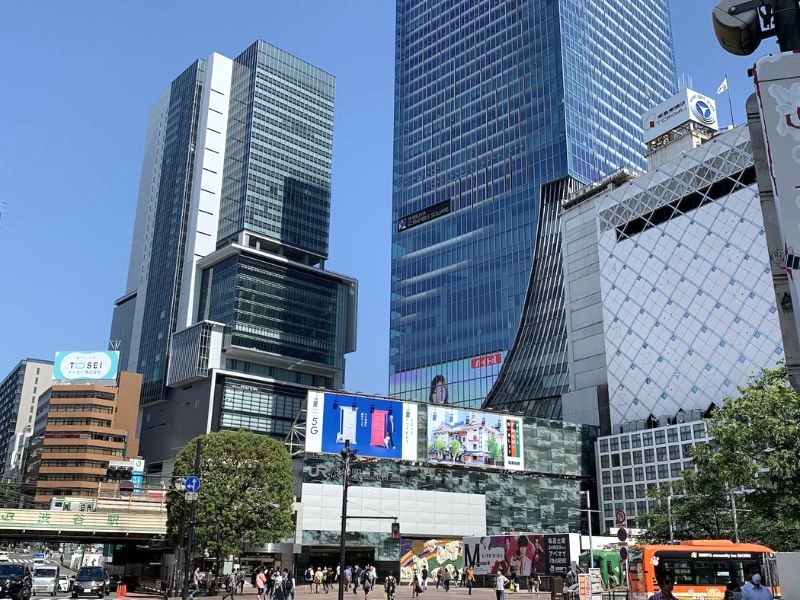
67	526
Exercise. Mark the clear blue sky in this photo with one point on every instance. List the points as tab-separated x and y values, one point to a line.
78	79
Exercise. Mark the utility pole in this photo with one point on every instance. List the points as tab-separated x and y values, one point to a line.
735	520
347	456
669	516
588	510
187	567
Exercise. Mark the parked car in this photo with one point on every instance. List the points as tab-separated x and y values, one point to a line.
15	582
90	581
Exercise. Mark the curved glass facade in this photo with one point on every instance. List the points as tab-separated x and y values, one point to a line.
492	100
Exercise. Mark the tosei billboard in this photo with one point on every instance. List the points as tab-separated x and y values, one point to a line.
375	427
474	438
546	553
85	366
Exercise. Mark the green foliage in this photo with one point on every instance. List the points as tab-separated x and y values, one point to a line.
455	449
242	475
756	453
495	450
438	445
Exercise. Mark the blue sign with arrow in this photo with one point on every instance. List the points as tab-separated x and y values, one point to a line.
192	483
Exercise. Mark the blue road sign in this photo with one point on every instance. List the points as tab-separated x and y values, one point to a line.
192	484
622	534
623	552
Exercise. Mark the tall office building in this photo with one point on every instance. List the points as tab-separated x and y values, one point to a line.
19	392
229	313
495	102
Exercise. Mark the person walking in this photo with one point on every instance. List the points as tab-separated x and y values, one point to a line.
439	577
309	577
425	578
390	586
347	577
446	579
231	585
416	585
534	581
240	580
277	585
318	579
366	584
261	583
470	577
357	571
500	586
288	586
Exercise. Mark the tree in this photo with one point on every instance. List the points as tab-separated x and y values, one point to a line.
754	456
455	449
437	446
495	450
244	476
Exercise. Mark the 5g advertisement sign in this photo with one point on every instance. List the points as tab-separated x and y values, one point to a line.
375	427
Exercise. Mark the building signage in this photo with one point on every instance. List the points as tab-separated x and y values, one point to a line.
66	521
486	361
685	106
474	438
777	80
423	216
557	553
78	366
375	427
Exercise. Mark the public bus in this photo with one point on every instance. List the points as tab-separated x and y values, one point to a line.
702	568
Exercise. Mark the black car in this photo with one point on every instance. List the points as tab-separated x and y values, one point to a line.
15	582
90	581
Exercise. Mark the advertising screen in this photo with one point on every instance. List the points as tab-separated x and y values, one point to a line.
517	553
547	553
474	438
77	366
432	554
375	427
465	382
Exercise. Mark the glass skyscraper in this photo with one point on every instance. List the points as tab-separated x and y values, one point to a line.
229	313
493	100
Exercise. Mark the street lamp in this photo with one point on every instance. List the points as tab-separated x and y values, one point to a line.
347	456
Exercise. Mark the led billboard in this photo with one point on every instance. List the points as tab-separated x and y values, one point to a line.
465	382
547	553
474	438
375	427
78	366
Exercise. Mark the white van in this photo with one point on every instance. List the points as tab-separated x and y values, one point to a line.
45	580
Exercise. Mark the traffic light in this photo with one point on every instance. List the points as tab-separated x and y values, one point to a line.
119	473
395	531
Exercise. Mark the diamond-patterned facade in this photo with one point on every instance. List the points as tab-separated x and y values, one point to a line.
688	303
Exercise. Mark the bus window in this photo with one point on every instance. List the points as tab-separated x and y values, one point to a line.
681	569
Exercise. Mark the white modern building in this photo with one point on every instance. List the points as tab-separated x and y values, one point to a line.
669	298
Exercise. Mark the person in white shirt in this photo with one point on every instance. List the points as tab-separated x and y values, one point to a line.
500	586
754	590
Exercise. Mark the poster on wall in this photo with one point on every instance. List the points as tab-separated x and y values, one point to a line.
375	427
557	553
474	438
520	554
432	554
